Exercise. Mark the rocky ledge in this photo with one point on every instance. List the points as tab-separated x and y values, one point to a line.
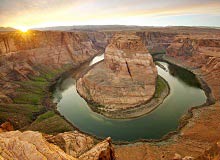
124	80
64	146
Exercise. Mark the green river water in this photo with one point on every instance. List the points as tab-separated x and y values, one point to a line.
185	92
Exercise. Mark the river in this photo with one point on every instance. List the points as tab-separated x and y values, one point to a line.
185	92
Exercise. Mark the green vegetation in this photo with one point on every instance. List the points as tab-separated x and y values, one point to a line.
19	115
27	112
29	98
160	86
31	91
45	116
50	123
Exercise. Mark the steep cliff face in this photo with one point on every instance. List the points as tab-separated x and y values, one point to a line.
49	48
157	42
28	62
202	54
22	54
100	39
35	146
124	80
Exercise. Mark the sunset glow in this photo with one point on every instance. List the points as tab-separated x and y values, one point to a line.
37	13
22	29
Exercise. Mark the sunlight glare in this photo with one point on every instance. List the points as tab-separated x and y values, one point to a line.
23	29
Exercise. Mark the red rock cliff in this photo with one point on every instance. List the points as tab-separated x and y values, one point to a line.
202	54
26	54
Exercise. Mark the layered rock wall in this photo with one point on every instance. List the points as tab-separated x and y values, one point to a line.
157	42
100	39
22	54
202	54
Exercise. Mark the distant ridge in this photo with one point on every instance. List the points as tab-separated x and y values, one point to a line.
117	28
90	27
6	29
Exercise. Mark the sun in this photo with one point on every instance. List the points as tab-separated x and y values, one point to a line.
23	29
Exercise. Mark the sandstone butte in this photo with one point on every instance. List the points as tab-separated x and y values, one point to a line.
125	79
29	58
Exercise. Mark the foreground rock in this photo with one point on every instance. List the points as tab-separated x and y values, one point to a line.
73	143
33	146
125	79
29	145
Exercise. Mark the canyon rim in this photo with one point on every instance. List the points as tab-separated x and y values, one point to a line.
107	80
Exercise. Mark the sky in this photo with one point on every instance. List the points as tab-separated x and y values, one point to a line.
47	13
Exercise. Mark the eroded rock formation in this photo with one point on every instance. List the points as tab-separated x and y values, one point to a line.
202	55
157	42
29	62
23	55
34	146
125	79
73	143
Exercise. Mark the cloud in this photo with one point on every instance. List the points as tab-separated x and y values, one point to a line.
32	13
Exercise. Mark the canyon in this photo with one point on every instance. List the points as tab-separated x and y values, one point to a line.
31	62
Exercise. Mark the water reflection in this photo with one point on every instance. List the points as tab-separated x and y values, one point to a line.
187	77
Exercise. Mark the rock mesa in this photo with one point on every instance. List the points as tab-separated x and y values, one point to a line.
125	79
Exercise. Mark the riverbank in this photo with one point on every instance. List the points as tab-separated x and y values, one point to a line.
161	92
179	63
34	108
49	114
75	113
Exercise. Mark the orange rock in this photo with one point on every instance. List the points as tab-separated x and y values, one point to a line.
7	126
124	80
24	55
202	54
33	146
